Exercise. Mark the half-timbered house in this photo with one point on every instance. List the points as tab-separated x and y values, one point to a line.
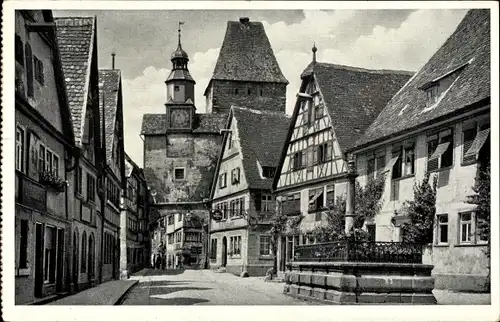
77	40
240	240
334	106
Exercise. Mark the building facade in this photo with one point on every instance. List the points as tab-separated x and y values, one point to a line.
79	61
114	181
45	157
240	240
135	248
327	119
438	124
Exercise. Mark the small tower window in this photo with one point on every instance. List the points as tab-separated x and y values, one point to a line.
261	92
235	91
249	91
176	88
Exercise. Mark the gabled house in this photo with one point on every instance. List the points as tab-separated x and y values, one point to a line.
134	243
334	106
111	107
45	156
438	124
77	41
240	240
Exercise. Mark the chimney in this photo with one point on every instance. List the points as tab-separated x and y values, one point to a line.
113	60
244	19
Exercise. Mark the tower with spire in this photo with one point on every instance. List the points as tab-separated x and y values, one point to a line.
180	84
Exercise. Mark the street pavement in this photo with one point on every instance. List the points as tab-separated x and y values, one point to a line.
205	287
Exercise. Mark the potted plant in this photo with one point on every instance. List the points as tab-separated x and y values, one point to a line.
52	181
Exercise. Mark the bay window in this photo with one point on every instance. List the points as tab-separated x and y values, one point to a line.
440	150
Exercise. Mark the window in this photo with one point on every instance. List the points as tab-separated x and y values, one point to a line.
432	94
439	150
330	194
466	228
213	249
170	238
50	255
83	262
20	146
318	108
179	174
267	202
55	165
230	141
222	180
225	210
291	205
442	234
29	70
316	199
41	158
176	88
403	160
179	217
19	50
475	136
235	245
38	65
268	172
370	167
265	246
90	188
325	152
249	91
235	91
235	176
23	244
170	220
48	158
261	92
299	160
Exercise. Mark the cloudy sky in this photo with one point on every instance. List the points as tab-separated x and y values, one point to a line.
144	40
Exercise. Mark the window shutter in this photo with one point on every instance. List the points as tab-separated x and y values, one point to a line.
29	70
329	150
316	152
303	160
258	202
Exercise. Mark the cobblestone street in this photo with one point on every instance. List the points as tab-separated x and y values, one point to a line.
205	287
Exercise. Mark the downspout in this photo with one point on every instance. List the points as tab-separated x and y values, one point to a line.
103	187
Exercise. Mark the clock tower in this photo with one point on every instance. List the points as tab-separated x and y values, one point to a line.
180	92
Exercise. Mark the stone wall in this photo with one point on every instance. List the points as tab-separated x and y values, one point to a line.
195	153
255	95
360	283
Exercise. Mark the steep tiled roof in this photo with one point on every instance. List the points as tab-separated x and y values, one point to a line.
75	38
154	124
468	46
261	136
355	96
246	55
109	85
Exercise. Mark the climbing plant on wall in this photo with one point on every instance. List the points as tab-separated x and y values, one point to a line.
421	211
481	198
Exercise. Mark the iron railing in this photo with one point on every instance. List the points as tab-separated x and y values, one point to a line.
360	251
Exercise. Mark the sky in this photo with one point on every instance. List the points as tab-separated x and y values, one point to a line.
144	40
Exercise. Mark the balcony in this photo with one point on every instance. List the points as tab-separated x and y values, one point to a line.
264	218
360	251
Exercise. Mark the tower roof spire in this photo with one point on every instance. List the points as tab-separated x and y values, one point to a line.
179	52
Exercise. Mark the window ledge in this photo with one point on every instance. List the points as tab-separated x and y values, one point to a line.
471	245
235	256
403	178
265	257
441	169
465	164
23	271
442	245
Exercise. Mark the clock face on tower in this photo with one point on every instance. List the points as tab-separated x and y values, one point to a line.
179	118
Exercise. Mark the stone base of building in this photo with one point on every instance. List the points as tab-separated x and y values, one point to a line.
462	283
252	270
360	283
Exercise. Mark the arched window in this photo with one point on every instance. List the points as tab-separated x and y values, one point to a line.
76	241
91	255
84	253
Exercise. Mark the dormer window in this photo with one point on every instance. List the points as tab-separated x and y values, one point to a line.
268	172
432	94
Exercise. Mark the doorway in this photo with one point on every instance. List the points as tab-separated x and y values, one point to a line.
60	256
224	251
39	238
